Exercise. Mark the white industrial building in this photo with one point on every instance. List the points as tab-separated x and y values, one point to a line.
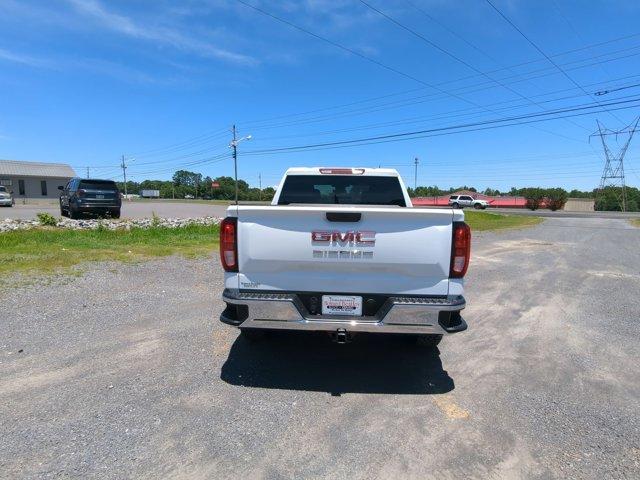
34	180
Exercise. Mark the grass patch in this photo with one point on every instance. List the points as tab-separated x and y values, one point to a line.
48	250
636	222
483	221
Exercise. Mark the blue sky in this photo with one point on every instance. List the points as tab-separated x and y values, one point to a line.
86	81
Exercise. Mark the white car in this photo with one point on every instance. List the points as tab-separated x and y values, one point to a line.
6	198
341	250
461	201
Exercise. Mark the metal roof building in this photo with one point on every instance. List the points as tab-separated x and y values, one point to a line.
34	180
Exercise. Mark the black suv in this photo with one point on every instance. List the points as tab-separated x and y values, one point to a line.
84	195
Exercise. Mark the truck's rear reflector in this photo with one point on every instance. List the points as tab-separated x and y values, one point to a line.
229	244
342	171
460	250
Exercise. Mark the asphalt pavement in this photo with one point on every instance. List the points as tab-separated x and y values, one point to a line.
185	208
130	209
125	372
565	214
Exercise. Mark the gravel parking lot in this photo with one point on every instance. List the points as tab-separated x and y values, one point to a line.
126	372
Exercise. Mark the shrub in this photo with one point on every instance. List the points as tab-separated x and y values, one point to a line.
47	219
556	198
155	219
533	197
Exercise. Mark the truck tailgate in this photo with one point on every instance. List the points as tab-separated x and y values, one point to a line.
388	250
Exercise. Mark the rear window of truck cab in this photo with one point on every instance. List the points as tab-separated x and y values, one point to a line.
342	190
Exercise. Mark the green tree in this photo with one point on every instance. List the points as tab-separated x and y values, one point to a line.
187	183
430	191
580	194
268	193
609	199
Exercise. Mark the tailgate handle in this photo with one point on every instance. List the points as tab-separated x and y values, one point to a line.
344	216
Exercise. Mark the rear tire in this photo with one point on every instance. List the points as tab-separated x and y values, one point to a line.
428	341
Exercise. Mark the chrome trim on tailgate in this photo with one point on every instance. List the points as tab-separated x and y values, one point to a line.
419	315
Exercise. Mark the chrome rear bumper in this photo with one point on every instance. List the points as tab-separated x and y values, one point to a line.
285	311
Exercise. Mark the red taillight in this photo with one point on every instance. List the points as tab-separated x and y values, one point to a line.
460	250
342	171
229	244
80	193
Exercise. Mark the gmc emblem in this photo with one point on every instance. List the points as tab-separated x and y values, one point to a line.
351	236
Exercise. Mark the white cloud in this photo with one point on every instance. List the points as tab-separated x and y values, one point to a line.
91	65
23	59
168	36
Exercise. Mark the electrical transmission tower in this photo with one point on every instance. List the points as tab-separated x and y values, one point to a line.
613	173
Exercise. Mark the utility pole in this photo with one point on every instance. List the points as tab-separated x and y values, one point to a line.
260	184
124	174
234	145
87	172
613	173
415	177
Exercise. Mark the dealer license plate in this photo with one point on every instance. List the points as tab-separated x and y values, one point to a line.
341	305
100	197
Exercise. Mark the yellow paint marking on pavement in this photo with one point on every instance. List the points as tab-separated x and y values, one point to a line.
447	406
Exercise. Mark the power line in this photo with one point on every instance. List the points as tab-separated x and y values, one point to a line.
606	92
425	98
567	52
458	59
199	161
493	122
178	146
549	59
437	134
204	138
470	44
185	156
365	57
209	136
577	33
451	31
465	113
334	44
